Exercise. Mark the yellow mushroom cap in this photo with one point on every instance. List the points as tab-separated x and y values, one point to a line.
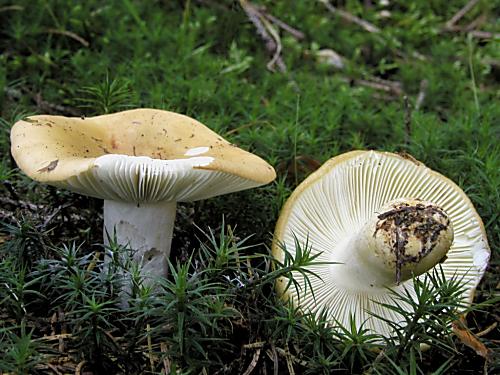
141	155
337	201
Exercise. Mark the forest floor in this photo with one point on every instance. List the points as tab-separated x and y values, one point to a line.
293	82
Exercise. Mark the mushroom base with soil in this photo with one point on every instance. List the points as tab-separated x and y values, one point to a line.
406	238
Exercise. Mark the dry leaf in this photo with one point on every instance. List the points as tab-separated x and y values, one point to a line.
469	339
52	165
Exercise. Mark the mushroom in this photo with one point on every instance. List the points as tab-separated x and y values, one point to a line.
141	162
377	219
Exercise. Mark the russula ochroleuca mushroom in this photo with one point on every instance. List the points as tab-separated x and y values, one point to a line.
378	219
141	162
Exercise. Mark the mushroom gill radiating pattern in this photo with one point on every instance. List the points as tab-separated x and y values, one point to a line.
142	179
332	209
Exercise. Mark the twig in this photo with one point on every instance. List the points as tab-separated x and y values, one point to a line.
69	34
478	22
54	214
462	12
253	363
166	360
268	34
421	94
297	34
371	28
15	94
47	106
150	348
289	360
113	339
377	360
479	34
93	262
53	368
275	360
254	345
11	7
394	85
61	346
56	337
23	204
487	330
279	48
78	369
384	97
392	89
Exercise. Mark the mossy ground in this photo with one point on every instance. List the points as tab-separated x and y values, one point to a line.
206	59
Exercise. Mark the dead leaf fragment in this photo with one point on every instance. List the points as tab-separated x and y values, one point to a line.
52	165
469	339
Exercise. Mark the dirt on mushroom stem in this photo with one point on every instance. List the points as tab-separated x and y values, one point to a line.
405	220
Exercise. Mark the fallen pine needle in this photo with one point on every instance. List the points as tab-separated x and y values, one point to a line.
462	12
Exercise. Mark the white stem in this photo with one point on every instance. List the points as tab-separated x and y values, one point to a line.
146	228
406	238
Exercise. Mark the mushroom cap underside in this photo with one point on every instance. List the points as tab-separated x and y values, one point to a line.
136	155
338	199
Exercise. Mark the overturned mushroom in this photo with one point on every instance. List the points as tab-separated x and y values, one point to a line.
378	219
141	162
